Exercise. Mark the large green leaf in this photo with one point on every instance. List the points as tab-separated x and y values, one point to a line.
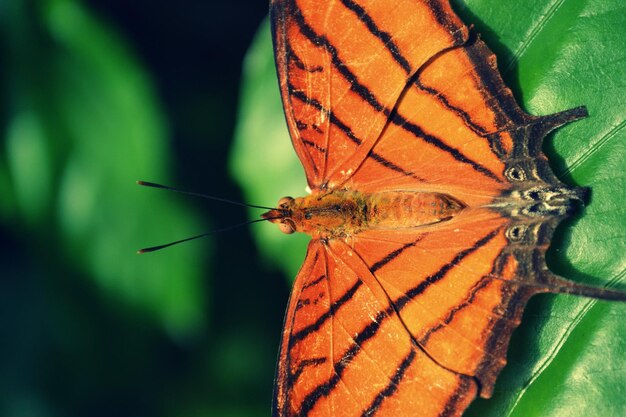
568	356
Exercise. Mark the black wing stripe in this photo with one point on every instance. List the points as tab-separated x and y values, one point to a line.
301	95
417	131
403	300
384	37
467	120
496	270
495	143
451	407
323	41
293	57
315	326
482	283
314	282
392	387
393	255
314	145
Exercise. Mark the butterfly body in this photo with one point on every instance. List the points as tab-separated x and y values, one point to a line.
344	213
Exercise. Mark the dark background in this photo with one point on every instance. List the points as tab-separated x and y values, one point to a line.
75	346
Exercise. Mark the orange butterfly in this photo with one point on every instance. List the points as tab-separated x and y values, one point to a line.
431	209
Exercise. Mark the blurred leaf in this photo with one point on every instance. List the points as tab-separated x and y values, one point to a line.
27	155
83	126
262	159
568	357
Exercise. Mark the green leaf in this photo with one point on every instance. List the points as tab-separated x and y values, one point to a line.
568	356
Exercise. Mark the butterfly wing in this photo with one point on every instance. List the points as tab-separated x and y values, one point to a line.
346	352
342	65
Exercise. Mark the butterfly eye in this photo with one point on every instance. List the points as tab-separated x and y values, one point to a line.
287	227
285	202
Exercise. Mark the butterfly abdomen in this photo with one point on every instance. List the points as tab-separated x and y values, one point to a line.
404	209
343	213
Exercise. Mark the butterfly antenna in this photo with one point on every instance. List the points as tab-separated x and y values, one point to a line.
159	247
208	197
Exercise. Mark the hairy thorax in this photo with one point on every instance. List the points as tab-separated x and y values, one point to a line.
345	213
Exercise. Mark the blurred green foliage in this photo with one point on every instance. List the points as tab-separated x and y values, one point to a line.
89	328
568	357
82	124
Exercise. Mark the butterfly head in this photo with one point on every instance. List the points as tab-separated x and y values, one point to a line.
319	215
282	216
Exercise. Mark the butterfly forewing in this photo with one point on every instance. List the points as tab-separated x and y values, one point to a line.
342	66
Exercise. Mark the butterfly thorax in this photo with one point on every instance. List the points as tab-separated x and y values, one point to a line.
343	213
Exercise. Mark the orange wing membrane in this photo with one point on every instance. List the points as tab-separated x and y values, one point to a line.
430	212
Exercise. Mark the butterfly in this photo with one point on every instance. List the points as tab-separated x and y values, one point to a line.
431	209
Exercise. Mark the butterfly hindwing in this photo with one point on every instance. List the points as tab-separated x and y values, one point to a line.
345	351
